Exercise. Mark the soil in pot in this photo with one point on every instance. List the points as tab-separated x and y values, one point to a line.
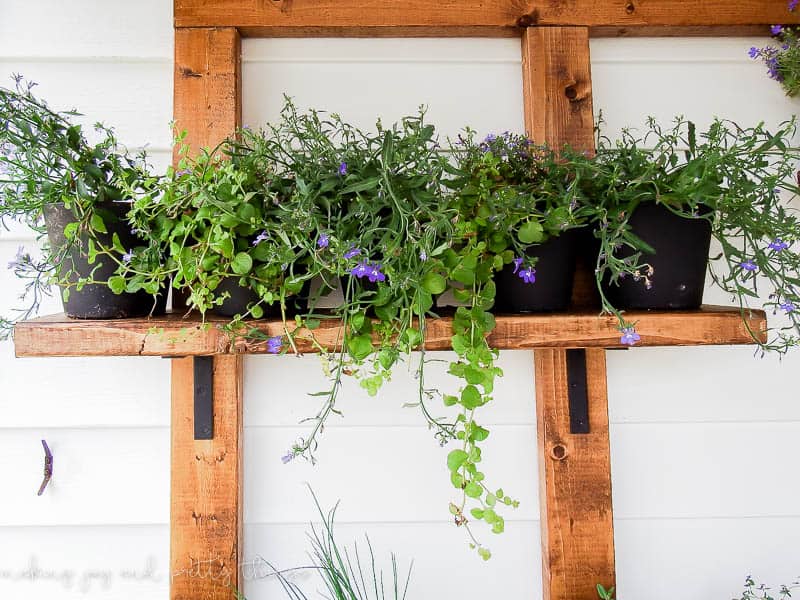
554	271
96	300
679	264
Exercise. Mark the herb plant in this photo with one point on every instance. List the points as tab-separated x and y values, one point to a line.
45	159
782	61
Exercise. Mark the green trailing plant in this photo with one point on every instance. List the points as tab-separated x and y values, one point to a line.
46	159
738	179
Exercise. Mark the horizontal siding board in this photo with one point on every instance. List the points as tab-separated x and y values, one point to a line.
75	563
444	566
86	28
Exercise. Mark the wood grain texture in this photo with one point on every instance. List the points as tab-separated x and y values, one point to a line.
206	497
574	469
208	87
462	18
574	482
173	335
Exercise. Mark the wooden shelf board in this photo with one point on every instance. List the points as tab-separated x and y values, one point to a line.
173	335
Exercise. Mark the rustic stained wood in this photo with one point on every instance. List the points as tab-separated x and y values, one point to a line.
574	470
206	496
574	481
463	18
58	335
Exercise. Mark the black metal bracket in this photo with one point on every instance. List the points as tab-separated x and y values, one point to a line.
577	391
204	397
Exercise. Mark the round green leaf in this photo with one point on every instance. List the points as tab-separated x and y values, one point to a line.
434	283
242	263
531	232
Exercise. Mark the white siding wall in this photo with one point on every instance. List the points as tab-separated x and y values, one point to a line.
704	440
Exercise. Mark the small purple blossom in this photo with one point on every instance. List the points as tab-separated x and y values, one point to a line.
517	264
778	245
375	274
749	265
353	252
261	237
629	336
182	172
776	29
288	457
793	4
274	344
528	275
787	307
343	169
127	257
19	259
360	270
753	52
323	240
371	271
423	256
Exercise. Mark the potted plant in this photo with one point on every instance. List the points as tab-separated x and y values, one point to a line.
55	181
661	197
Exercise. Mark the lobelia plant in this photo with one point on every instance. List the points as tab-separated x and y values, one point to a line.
46	161
729	176
782	61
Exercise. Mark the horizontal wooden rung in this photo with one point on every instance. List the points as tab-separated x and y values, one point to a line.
174	335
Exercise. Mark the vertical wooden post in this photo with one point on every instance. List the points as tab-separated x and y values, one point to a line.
206	493
574	469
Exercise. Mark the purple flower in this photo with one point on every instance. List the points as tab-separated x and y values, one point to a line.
749	265
375	274
343	169
754	52
323	240
182	172
787	307
629	336
351	253
20	258
517	264
261	237
362	269
288	457
778	245
776	29
793	4
423	256
527	275
274	344
127	257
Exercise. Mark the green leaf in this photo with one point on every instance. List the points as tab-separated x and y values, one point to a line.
471	397
434	283
449	400
456	459
116	284
70	229
473	490
98	224
257	312
242	263
531	233
473	374
360	347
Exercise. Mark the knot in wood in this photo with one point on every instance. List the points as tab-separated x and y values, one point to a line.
630	8
570	92
528	20
558	452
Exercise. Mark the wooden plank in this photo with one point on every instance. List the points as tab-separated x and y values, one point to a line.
58	335
574	482
208	89
463	18
206	496
574	469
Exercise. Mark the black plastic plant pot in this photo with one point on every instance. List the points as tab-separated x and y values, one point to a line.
554	272
239	299
679	264
96	300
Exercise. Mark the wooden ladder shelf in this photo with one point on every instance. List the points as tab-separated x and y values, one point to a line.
575	480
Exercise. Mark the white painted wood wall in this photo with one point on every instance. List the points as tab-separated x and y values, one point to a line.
705	441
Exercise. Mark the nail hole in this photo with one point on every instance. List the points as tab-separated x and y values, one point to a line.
571	92
630	8
525	21
558	452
